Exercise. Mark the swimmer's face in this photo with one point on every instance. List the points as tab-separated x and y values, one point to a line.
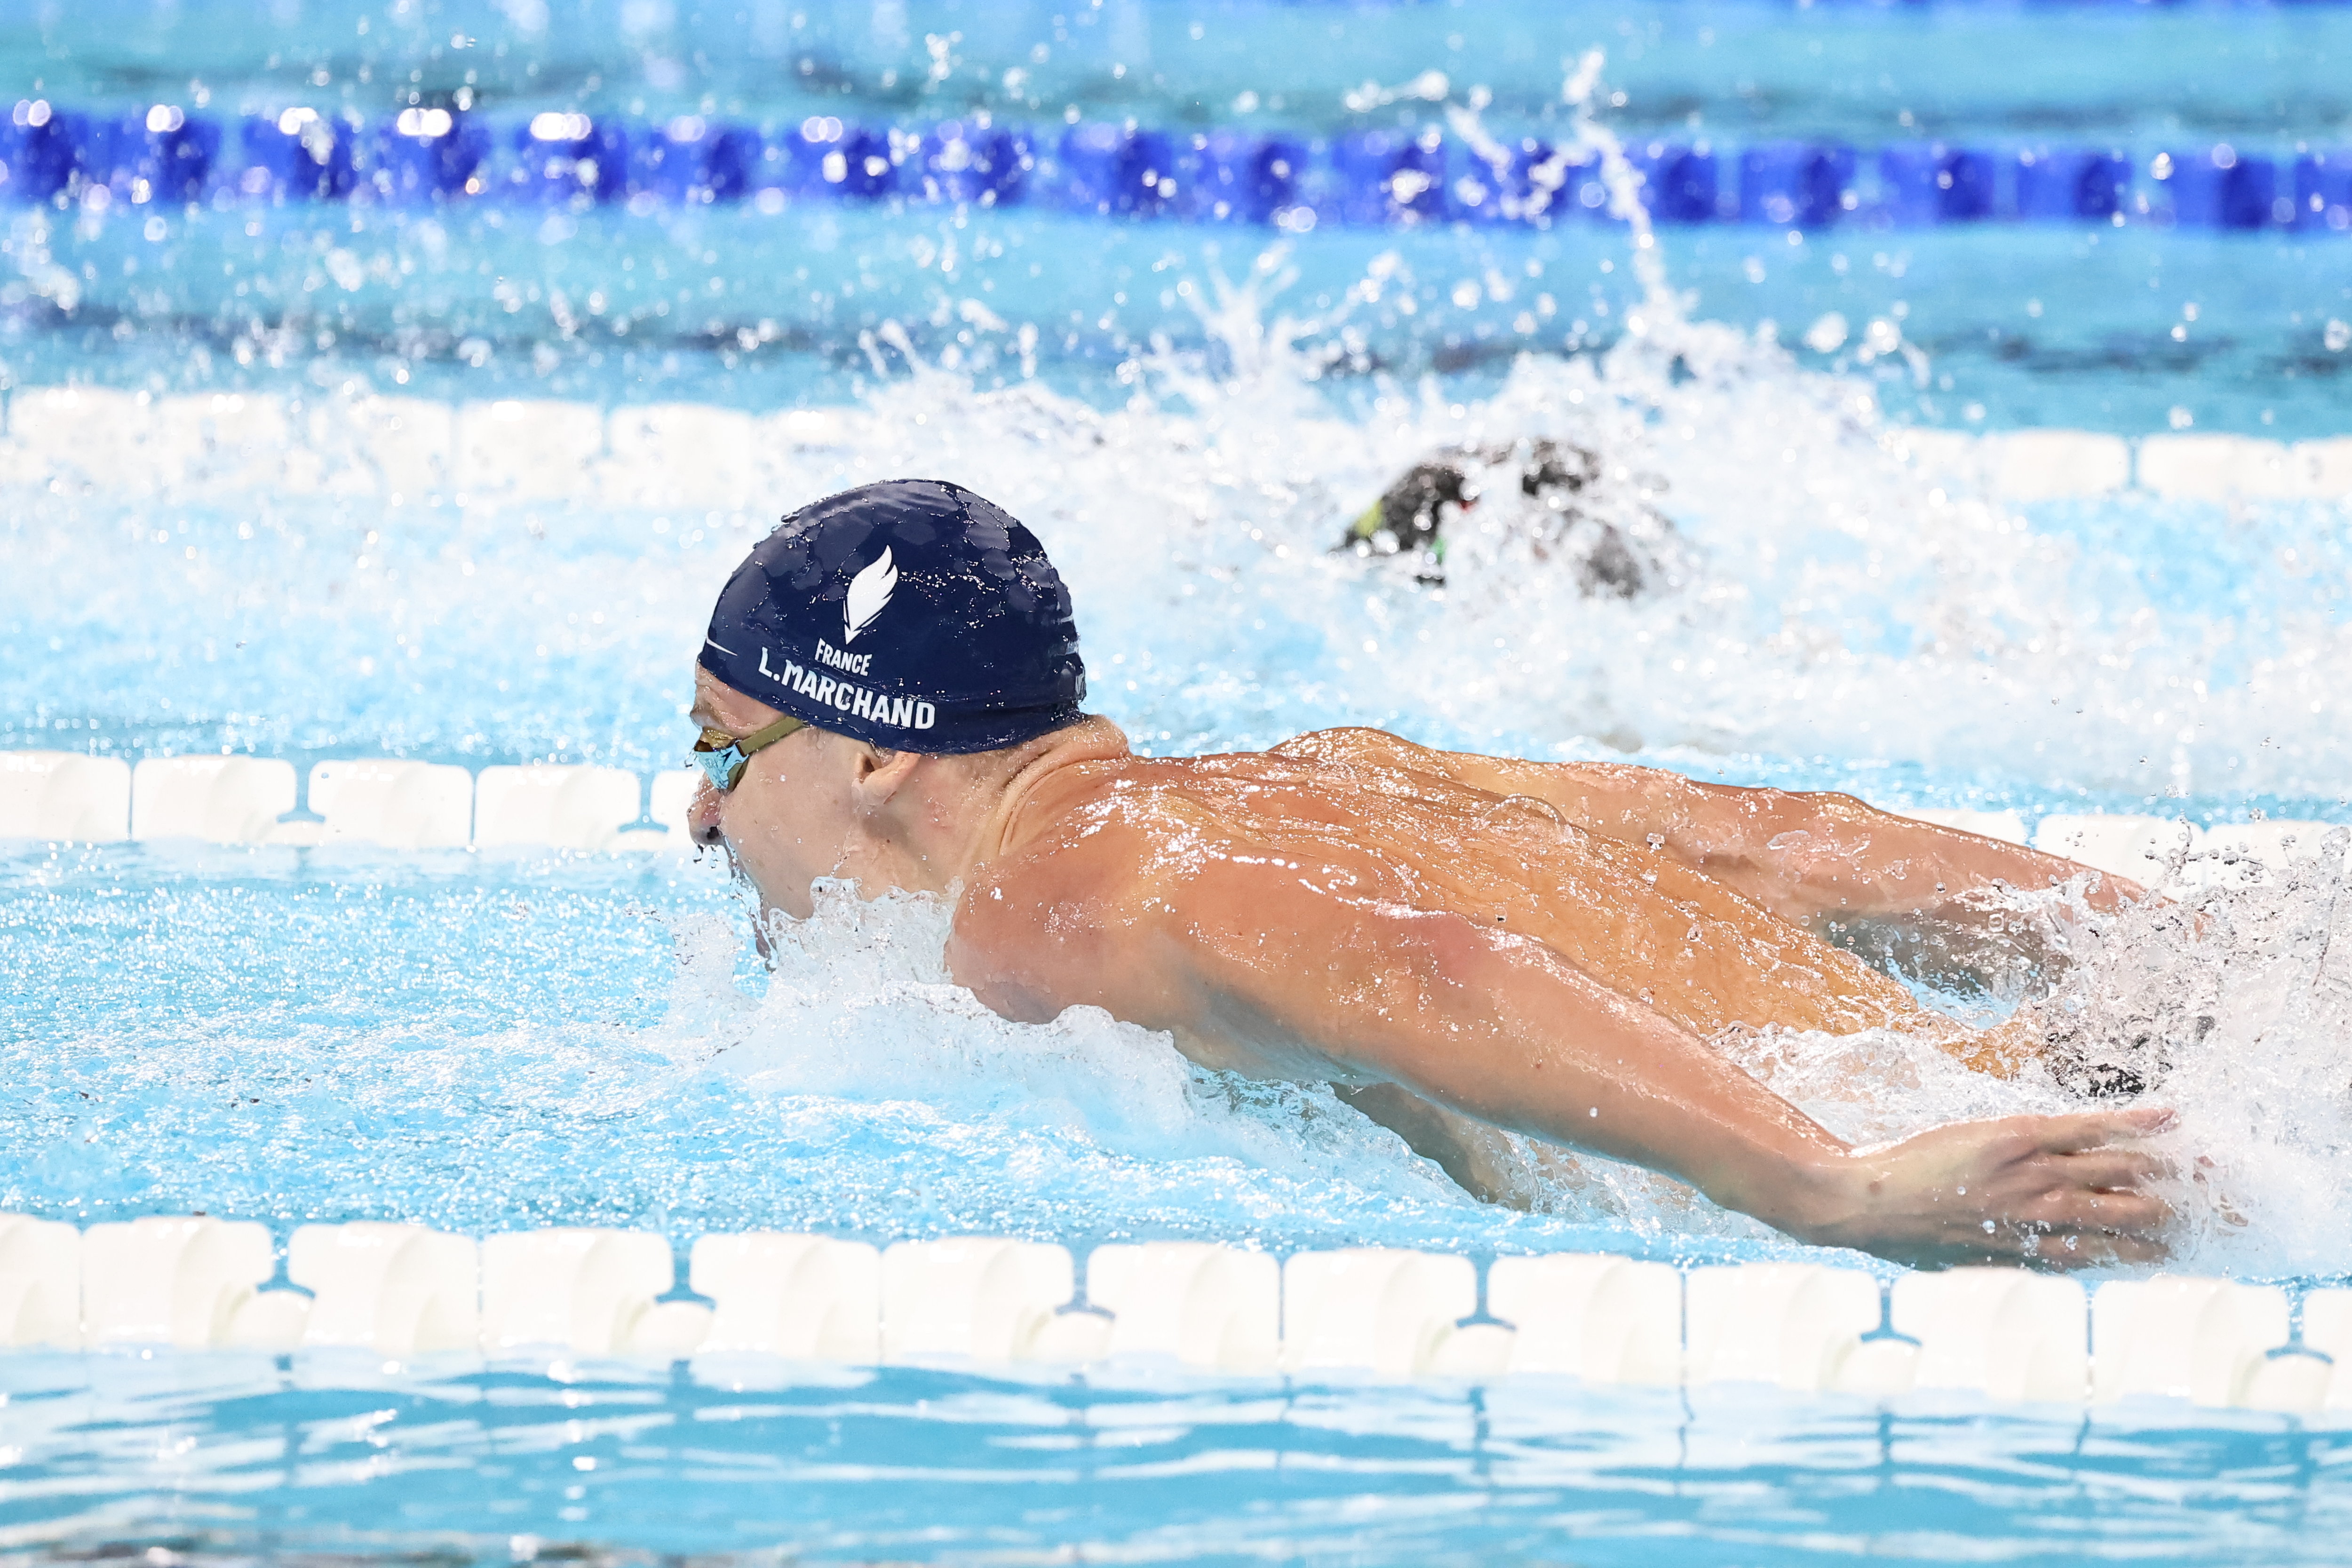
789	818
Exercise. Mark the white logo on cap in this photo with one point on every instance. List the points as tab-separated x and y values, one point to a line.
869	595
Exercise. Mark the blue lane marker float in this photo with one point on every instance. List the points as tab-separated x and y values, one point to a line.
1793	184
428	156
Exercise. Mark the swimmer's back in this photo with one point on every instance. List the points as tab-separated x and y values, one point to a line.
1154	875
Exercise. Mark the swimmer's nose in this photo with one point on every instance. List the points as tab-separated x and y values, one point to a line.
702	817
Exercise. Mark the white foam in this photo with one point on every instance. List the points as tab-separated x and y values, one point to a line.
859	1008
2139	847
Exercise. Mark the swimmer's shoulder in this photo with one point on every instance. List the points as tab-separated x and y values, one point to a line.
1073	917
1356	745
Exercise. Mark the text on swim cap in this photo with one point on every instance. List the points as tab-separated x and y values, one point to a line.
899	712
855	663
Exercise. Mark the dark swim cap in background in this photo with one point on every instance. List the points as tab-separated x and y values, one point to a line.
909	614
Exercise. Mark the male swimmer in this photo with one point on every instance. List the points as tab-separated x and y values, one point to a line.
890	692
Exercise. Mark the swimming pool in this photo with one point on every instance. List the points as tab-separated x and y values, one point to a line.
453	482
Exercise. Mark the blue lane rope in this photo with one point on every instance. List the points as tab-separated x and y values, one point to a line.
430	156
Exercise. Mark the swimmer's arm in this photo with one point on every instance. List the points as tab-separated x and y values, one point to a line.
1505	1030
1255	968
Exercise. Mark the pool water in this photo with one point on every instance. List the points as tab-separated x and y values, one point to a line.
1188	414
912	1465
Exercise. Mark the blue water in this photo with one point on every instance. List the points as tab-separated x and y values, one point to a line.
2073	325
909	1466
506	1040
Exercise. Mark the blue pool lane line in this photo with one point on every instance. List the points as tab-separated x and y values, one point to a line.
428	156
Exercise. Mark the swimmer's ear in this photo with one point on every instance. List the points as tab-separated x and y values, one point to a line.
877	771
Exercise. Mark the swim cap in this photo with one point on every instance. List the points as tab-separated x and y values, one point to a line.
909	614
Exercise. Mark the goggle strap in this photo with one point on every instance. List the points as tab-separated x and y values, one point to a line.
769	735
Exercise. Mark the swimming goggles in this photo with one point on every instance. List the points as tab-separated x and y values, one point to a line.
723	757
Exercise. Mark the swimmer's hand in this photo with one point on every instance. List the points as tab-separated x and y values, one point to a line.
2051	1192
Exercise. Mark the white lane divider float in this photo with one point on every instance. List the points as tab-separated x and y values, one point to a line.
2038	465
2003	1333
589	1291
62	798
669	457
704	456
2144	847
679	455
393	804
404	1290
2139	847
54	797
2243	467
2045	465
2326	1331
399	1289
1205	1305
189	1282
554	807
668	797
212	800
40	1282
2202	1340
1799	1325
809	1296
1375	1308
1592	1315
535	449
983	1298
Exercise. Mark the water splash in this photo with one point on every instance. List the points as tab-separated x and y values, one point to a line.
1843	615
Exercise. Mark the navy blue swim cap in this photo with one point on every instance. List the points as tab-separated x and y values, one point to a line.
909	614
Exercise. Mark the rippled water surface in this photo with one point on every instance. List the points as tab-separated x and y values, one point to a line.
902	1465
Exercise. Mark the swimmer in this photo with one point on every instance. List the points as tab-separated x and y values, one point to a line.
1535	504
890	693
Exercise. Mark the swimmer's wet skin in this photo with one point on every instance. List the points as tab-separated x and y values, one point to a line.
1457	942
